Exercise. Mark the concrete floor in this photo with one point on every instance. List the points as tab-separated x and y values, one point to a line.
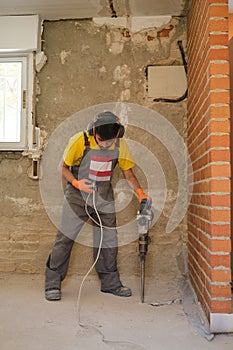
165	321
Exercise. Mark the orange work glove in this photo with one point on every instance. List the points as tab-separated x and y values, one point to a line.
84	185
141	195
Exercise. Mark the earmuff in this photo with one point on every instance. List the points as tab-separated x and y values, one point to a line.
105	118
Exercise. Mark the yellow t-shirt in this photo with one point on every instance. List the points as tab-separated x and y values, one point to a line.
74	151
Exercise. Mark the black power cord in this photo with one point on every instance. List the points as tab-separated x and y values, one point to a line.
185	95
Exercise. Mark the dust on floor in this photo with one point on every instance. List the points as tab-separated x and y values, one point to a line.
29	322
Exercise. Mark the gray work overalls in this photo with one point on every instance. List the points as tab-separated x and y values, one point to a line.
97	165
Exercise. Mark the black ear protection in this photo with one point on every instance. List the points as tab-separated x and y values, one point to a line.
105	118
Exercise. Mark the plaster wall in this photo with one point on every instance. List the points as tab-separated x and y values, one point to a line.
88	64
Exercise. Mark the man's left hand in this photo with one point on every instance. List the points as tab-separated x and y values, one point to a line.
142	195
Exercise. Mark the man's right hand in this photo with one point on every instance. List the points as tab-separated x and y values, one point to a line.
84	185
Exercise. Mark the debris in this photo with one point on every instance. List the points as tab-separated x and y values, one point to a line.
168	302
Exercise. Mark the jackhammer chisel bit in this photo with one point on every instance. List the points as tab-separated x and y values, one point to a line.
144	220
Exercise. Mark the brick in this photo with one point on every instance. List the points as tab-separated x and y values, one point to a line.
210	171
219	260
219	201
210	214
220	25
218	141
199	111
219	97
219	155
219	111
220	186
218	11
220	230
200	276
219	83
223	170
205	267
201	187
219	68
198	132
212	229
212	200
220	245
220	215
201	88
221	275
218	306
219	126
197	30
218	39
198	139
218	2
221	53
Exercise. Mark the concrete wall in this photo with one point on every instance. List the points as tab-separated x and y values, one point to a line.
89	65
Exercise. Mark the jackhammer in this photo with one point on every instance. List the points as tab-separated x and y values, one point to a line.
144	220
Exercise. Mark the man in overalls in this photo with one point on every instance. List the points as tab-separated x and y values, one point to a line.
89	160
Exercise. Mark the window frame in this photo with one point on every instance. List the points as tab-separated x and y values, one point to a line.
26	120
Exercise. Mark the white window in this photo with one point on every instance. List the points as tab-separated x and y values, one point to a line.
17	76
13	102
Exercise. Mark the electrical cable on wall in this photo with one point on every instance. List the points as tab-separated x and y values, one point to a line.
87	326
185	95
111	5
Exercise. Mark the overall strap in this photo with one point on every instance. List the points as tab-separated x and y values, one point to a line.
86	141
117	143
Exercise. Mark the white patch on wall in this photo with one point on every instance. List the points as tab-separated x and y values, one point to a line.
166	81
125	95
134	23
117	22
145	22
63	56
103	70
121	73
116	48
24	204
41	60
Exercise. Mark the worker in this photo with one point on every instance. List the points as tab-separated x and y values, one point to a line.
88	162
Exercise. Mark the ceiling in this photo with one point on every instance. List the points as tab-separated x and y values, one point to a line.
62	9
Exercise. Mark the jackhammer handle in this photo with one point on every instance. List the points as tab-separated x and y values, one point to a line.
145	205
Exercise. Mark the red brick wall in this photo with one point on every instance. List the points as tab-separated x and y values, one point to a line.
209	241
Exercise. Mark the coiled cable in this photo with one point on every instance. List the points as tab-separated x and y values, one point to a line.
87	326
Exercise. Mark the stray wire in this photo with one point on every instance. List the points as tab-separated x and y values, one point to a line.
96	222
96	259
185	95
138	346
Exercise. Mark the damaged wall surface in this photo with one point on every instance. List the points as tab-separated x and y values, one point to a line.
88	64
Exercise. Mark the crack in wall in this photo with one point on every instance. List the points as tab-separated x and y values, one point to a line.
113	11
127	8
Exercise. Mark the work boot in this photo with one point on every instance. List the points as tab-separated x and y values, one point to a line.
119	291
53	294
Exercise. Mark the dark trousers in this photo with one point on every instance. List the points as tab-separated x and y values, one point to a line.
73	218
